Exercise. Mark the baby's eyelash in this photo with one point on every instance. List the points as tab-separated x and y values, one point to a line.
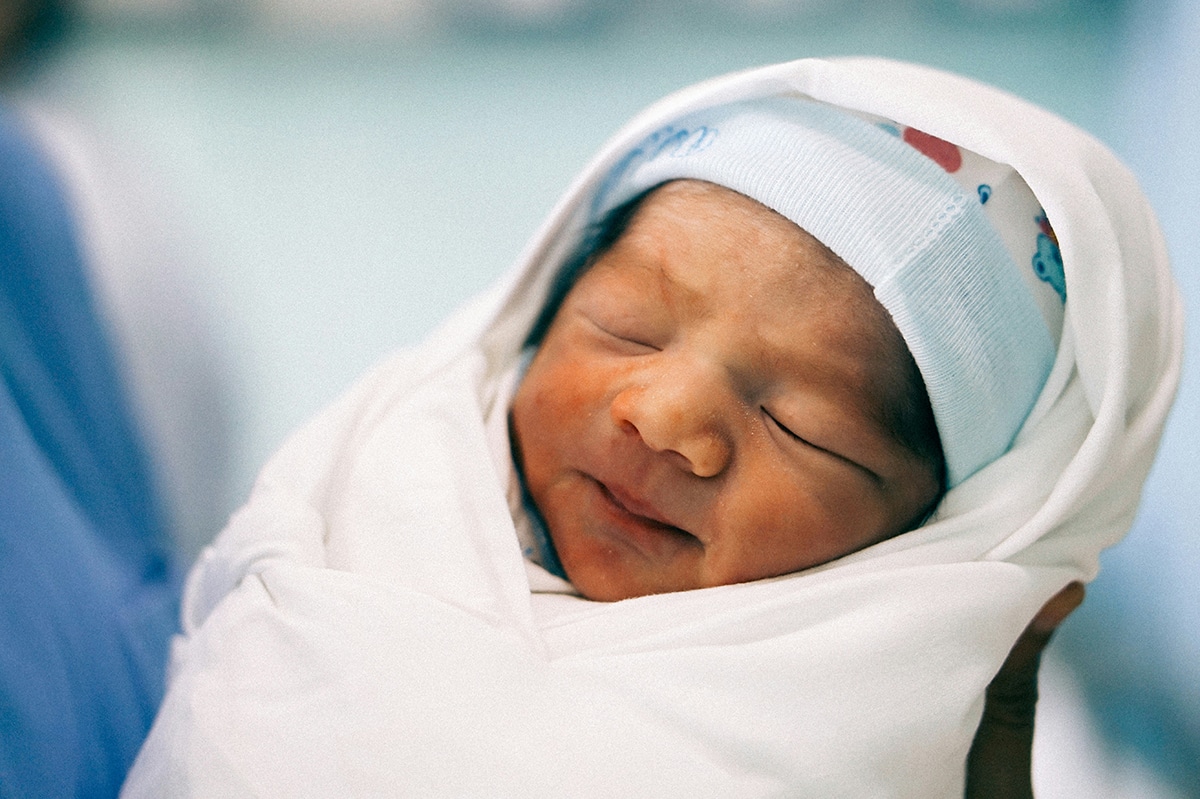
791	433
628	339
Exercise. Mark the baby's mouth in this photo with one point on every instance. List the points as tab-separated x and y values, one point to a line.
639	510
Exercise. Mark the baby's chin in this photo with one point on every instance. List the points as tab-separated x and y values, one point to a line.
605	576
616	590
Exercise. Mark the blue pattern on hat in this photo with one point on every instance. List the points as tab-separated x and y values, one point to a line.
1048	265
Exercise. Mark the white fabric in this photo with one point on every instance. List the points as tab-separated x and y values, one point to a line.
365	627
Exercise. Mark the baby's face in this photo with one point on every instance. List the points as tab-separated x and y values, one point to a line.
711	405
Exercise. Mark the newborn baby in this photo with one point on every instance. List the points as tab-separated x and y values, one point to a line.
798	371
720	399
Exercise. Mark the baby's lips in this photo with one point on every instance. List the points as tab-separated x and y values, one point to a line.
631	486
643	508
635	505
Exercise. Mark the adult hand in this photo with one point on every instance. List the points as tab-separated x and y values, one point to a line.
998	766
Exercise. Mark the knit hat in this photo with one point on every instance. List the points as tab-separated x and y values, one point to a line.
954	246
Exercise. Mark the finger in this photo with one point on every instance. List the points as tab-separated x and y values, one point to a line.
1028	648
1058	608
998	765
1012	693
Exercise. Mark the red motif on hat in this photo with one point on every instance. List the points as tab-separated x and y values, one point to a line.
943	152
1044	225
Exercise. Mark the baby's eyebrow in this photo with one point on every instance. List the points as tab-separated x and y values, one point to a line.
652	258
674	288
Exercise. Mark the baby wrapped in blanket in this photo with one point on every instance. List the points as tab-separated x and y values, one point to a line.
833	372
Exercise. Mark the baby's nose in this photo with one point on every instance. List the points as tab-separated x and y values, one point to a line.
678	413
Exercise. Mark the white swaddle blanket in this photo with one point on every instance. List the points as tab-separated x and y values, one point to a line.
365	627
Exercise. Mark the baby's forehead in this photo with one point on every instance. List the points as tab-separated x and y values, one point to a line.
771	272
675	218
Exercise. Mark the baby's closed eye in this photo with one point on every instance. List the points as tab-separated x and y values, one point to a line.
791	434
623	320
804	440
625	332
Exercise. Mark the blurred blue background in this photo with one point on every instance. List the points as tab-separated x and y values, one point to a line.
281	191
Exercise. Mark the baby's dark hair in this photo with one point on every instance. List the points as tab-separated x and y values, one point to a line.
598	238
911	423
908	418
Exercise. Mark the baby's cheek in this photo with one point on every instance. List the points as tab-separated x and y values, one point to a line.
848	517
566	397
576	389
779	526
755	532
